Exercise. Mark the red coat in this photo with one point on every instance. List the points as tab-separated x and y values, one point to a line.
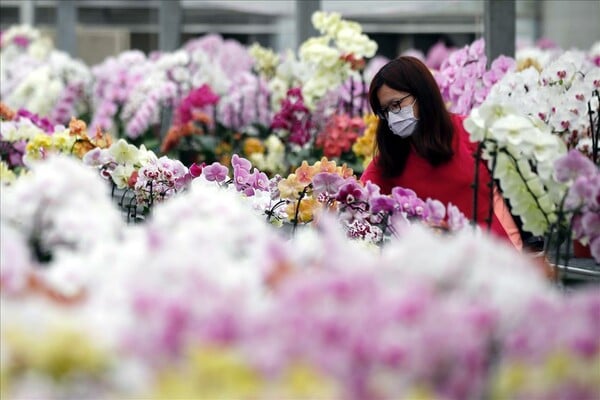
448	183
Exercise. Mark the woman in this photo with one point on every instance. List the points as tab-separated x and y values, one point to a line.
423	147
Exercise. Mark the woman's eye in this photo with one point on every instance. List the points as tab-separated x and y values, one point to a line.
394	106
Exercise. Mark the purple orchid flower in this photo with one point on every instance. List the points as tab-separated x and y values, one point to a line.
241	178
327	183
435	211
384	204
259	180
240	162
573	164
456	219
215	172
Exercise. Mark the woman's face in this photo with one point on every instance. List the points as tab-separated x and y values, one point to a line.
391	99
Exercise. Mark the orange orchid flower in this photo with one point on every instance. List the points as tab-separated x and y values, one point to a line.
305	173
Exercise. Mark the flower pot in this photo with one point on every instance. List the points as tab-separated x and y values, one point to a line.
581	250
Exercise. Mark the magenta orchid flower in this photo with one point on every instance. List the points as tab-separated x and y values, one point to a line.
351	192
196	169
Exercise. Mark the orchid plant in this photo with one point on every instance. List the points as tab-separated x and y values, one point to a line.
303	196
309	298
114	81
140	173
580	207
16	129
364	146
269	315
531	353
328	68
22	49
331	58
41	79
57	89
336	138
309	139
194	129
464	80
172	76
526	125
26	138
60	208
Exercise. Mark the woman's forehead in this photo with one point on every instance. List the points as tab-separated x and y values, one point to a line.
386	92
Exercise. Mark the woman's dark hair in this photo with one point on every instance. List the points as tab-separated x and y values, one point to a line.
433	138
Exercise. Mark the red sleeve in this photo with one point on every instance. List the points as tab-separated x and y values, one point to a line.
373	173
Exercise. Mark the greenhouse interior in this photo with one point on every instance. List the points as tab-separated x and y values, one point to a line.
300	199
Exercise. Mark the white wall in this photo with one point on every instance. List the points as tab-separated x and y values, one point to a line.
574	23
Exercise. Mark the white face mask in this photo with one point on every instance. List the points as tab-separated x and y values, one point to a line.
404	122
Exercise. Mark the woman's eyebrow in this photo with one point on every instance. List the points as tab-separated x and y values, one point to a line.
401	98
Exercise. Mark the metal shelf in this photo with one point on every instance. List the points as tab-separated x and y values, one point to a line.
579	269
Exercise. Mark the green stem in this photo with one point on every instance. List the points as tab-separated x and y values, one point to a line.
526	185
